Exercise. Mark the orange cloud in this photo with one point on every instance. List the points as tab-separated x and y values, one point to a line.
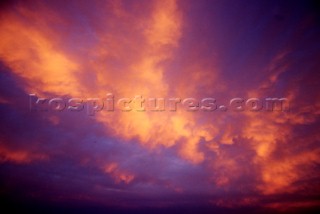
31	53
20	156
118	174
279	175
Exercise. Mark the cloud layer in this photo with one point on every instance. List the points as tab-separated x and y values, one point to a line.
161	159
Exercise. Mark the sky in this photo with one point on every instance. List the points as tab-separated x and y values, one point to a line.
74	137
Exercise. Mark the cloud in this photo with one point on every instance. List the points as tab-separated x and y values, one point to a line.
168	49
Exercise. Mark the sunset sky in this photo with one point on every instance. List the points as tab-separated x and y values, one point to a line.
218	161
